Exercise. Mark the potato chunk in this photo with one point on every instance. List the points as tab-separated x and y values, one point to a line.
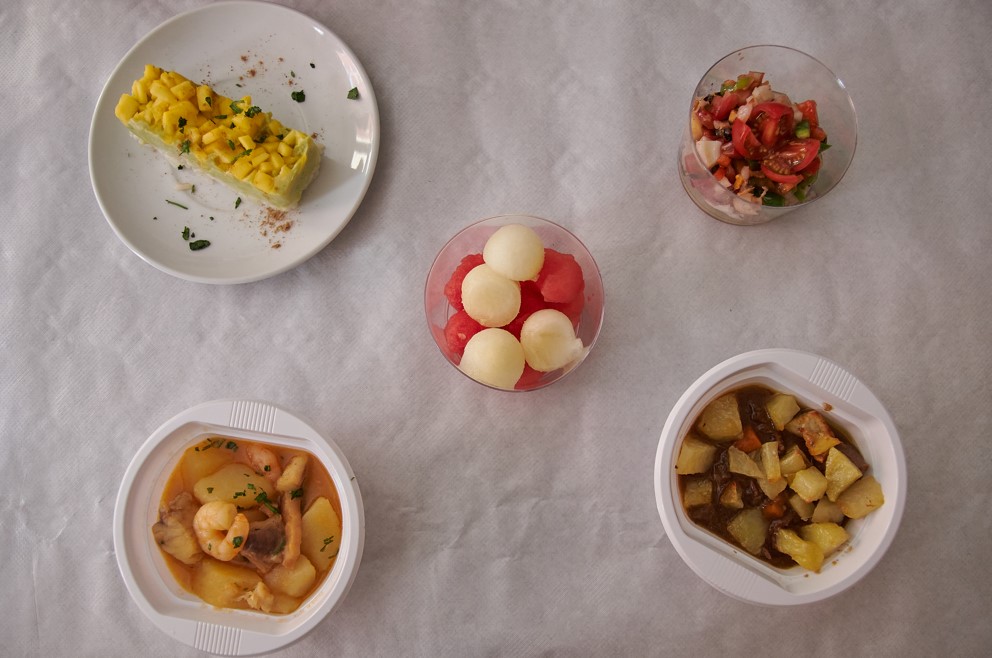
321	534
860	498
781	409
741	463
695	456
198	464
806	554
731	496
721	419
826	511
234	483
802	508
698	491
828	536
792	461
810	484
841	473
223	584
295	581
769	461
750	529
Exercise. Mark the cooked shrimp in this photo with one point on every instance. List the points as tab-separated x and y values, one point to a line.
264	461
220	529
292	476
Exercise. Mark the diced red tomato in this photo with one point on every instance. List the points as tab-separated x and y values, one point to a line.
773	121
787	179
799	153
808	108
745	143
723	105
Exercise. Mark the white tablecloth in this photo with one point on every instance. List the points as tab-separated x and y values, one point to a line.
514	524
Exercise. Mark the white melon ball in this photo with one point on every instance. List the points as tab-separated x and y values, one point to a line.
515	251
489	298
548	340
494	357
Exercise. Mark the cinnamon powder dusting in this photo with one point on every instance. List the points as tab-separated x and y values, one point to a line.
275	224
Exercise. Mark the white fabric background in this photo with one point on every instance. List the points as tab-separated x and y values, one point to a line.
502	524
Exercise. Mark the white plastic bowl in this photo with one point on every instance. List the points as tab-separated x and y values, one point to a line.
815	382
177	612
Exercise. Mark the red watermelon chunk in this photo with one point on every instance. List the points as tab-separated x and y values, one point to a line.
530	301
529	379
453	288
459	329
572	309
560	279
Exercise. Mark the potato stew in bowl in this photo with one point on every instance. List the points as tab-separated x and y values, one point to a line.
773	478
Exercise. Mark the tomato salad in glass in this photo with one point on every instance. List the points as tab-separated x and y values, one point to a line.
757	142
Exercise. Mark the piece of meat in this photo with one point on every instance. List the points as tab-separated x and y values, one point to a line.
174	530
265	543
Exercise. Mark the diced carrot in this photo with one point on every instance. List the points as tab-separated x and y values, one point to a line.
720	173
749	442
723	161
774	509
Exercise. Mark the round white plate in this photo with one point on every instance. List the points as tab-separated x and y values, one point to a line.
175	611
271	51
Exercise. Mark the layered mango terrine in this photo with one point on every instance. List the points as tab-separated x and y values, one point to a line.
232	140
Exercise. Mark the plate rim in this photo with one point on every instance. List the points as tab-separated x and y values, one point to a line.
317	247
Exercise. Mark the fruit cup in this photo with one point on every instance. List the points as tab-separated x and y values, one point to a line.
799	76
567	283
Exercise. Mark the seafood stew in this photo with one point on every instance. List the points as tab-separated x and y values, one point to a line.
248	525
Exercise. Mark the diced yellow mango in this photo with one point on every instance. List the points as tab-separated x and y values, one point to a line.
184	90
140	91
241	168
264	182
204	98
277	161
266	167
247	142
213	136
159	91
126	108
258	157
284	149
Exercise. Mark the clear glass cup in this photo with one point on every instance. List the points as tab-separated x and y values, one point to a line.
799	76
471	240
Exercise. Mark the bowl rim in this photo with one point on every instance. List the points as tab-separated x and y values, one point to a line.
729	569
223	631
506	217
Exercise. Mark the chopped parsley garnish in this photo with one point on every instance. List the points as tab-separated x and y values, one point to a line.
353	93
192	190
267	468
279	548
230	143
175	203
232	125
236	107
238	84
312	65
292	73
182	124
198	245
237	203
237	541
280	136
327	541
245	152
181	167
263	499
296	493
252	111
251	486
239	494
211	218
210	100
210	489
184	147
186	233
231	445
298	96
220	117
